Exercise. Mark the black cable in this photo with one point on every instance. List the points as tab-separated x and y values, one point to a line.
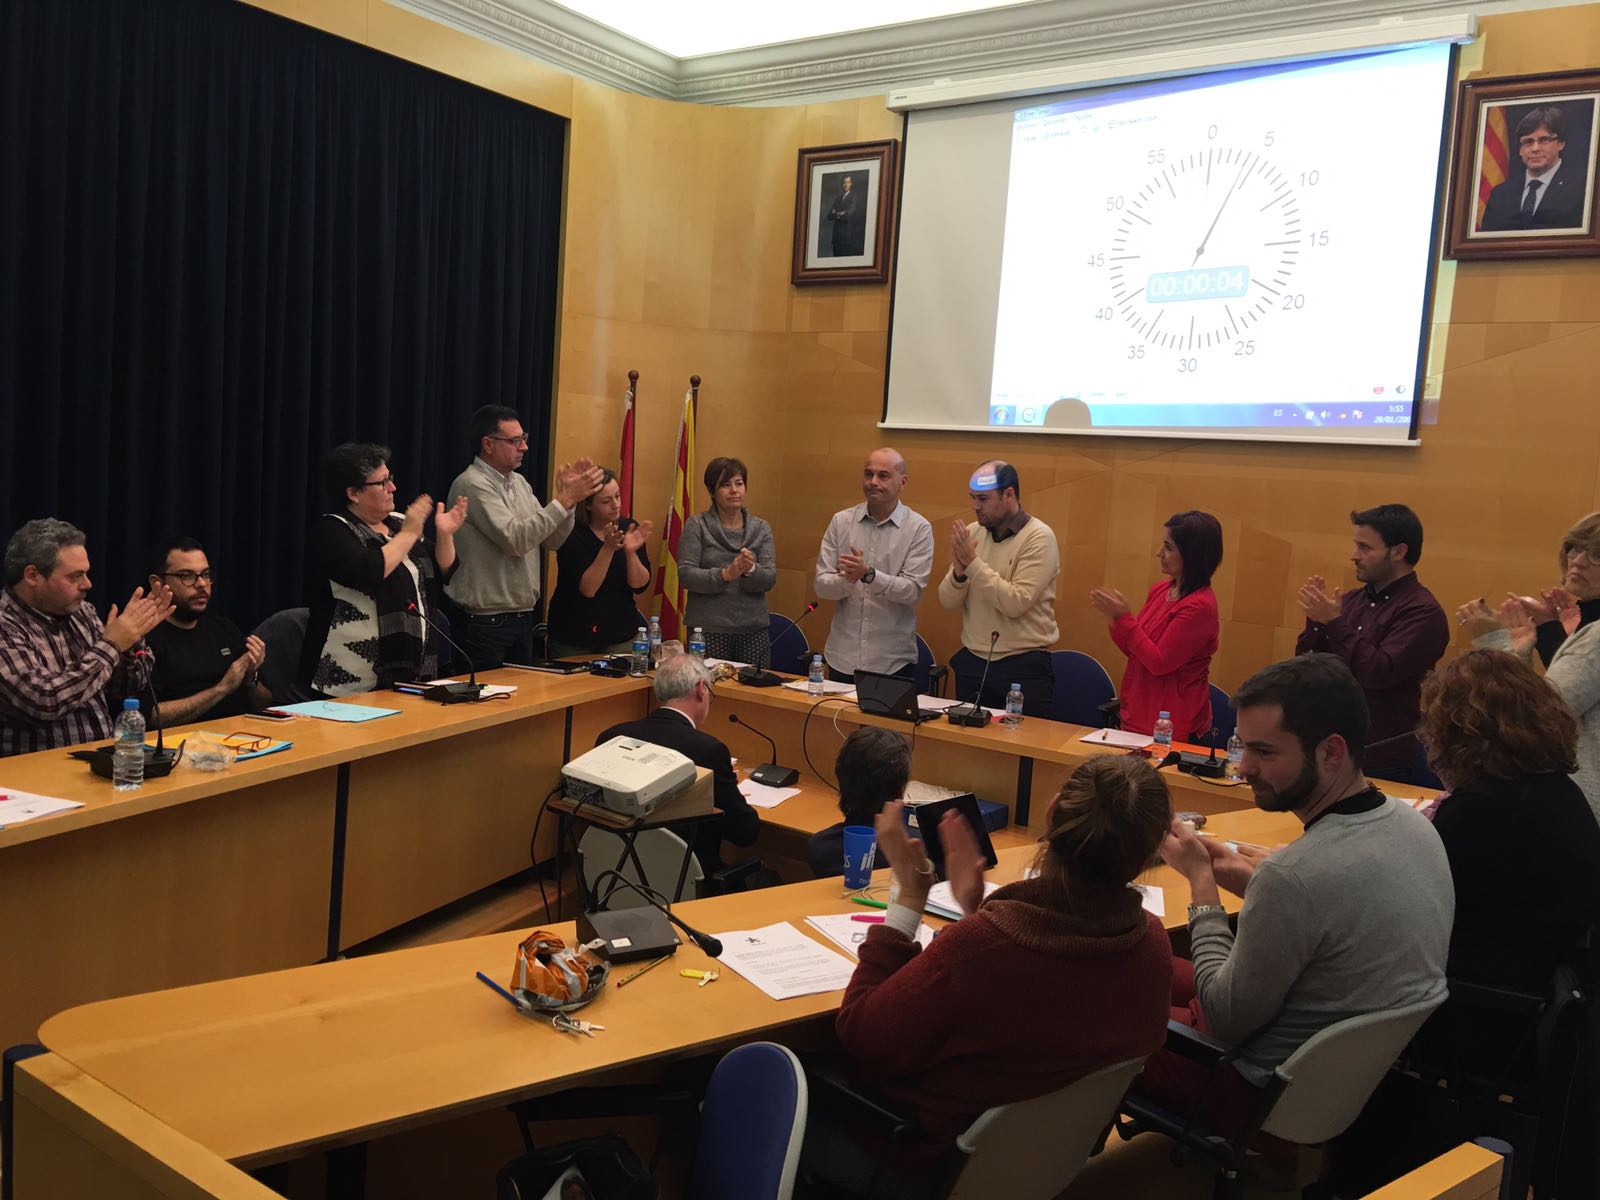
806	724
533	849
644	889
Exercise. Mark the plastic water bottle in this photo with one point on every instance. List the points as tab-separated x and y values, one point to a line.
655	642
1164	729
641	652
127	760
697	642
1235	754
814	680
1013	716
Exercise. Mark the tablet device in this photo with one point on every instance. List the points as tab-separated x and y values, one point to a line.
928	817
553	666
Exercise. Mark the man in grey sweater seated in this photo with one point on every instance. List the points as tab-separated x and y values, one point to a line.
1353	917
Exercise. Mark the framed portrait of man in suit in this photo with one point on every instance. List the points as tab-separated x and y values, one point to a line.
1523	176
844	213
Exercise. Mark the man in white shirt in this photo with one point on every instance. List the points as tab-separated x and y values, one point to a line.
496	583
875	562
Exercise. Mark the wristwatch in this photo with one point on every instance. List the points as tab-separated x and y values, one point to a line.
872	573
1197	910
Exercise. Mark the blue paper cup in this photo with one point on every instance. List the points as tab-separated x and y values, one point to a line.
860	849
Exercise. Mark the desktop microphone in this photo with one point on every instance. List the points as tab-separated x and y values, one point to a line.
450	693
973	714
768	773
636	933
160	761
755	676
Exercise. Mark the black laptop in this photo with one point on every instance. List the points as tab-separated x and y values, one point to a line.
891	696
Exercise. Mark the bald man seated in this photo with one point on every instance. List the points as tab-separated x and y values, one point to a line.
874	563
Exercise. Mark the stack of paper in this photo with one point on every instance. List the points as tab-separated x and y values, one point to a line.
24	806
845	931
761	796
329	710
830	687
783	962
942	901
1120	738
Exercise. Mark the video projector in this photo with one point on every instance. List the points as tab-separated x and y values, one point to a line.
627	776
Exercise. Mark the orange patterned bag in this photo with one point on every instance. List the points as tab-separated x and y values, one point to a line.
553	978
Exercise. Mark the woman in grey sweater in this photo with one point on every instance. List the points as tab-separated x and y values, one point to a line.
728	565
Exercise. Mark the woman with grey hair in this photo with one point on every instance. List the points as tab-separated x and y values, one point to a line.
373	581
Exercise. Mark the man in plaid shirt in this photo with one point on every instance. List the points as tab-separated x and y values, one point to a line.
58	664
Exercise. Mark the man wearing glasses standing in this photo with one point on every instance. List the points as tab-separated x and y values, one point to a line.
496	584
1547	194
204	666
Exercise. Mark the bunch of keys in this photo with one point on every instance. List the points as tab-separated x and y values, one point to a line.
704	977
565	1024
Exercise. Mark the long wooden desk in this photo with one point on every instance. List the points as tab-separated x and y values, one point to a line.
292	858
266	1068
283	860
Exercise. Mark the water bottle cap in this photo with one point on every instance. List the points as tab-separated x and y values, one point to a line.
816	658
1165	715
130	702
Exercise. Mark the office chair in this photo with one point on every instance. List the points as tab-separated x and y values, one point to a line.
1083	690
1312	1097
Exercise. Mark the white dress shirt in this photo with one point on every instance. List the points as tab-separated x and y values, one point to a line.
875	624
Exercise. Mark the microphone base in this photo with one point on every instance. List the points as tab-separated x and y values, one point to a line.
755	677
772	775
630	934
454	693
972	716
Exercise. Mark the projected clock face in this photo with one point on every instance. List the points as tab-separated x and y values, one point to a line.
1204	252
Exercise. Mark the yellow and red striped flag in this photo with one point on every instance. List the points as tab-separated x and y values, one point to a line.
1496	165
668	585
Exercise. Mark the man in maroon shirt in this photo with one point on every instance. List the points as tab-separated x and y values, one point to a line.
1390	633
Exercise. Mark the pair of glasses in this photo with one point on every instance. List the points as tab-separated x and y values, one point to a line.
1543	140
377	483
244	743
190	578
516	441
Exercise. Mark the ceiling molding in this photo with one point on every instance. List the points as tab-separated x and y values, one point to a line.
874	61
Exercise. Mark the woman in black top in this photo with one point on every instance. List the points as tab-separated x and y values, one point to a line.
1523	843
593	610
371	579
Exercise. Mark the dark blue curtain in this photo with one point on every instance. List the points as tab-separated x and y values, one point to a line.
229	242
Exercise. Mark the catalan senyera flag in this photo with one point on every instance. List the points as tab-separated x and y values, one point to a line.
1496	165
668	586
625	456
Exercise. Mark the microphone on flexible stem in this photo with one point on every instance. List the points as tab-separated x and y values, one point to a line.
754	676
636	933
972	713
450	693
768	773
160	760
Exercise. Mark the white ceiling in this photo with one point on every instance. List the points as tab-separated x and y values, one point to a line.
766	52
690	28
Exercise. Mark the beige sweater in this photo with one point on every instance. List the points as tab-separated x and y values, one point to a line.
1010	587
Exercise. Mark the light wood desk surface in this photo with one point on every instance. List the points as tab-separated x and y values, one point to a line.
262	1068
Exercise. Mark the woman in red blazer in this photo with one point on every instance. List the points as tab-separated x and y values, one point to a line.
1170	642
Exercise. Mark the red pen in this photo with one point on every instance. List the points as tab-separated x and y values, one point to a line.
866	918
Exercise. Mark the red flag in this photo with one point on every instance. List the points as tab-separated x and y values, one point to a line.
1495	166
668	585
625	457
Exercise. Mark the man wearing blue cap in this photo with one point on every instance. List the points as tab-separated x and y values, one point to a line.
1002	576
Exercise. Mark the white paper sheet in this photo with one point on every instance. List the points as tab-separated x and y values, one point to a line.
1154	899
848	933
830	687
1117	737
489	689
24	806
783	962
940	703
761	796
942	901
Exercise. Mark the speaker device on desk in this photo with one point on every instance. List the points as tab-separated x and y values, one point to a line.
158	760
636	933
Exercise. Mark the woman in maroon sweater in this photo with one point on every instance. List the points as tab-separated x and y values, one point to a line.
1170	643
1046	981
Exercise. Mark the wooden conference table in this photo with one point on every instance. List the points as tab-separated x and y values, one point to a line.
295	857
264	1069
